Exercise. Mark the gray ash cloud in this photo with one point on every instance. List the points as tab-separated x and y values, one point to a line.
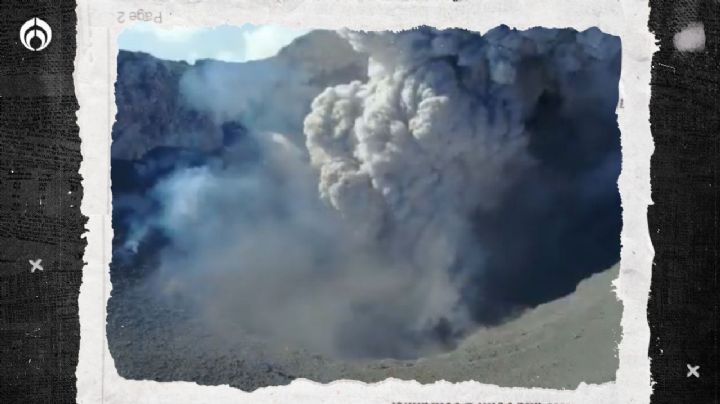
377	194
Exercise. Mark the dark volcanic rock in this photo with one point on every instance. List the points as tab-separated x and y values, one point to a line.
173	115
153	109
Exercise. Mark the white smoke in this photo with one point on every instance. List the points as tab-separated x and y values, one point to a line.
360	244
256	248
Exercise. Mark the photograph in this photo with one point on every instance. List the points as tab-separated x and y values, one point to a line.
424	204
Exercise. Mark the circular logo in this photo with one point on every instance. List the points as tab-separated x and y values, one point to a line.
35	34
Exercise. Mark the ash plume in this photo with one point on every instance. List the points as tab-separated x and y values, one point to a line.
460	178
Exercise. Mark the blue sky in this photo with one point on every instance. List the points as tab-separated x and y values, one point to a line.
224	42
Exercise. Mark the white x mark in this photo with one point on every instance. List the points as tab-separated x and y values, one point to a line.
35	265
693	370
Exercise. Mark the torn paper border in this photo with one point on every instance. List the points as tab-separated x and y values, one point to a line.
97	32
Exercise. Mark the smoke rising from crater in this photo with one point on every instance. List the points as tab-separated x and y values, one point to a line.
410	154
419	200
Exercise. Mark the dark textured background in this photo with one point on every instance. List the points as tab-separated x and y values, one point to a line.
684	114
39	160
39	143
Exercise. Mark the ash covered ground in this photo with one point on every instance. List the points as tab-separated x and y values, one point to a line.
424	205
560	344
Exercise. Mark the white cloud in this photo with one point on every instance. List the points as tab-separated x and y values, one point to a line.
225	43
265	41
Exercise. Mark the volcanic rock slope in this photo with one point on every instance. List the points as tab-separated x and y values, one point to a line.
557	345
153	112
560	344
